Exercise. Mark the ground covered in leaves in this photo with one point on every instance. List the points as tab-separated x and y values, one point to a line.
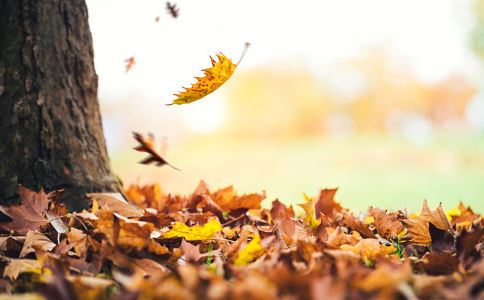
220	245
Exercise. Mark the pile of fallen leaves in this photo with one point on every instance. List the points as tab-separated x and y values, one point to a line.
220	245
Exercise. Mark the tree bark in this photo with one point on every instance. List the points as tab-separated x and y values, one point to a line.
50	125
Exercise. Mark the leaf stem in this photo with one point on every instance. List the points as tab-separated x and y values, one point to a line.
246	47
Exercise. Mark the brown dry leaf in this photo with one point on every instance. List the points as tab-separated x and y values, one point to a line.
192	252
114	202
78	239
439	263
132	233
147	145
36	241
11	243
462	214
283	218
172	9
228	200
130	62
17	266
25	296
156	248
148	196
326	203
386	276
357	225
419	231
149	267
436	217
369	249
326	288
88	287
337	237
387	225
29	215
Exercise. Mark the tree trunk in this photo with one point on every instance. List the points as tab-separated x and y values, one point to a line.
50	126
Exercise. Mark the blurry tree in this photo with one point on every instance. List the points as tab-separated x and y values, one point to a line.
477	34
50	124
271	102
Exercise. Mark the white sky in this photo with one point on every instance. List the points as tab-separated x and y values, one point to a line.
431	35
314	34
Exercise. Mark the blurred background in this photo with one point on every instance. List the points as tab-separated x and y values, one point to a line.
381	98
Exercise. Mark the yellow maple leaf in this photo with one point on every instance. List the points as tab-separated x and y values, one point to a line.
203	232
310	212
213	78
250	252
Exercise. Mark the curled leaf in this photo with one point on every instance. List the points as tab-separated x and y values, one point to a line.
147	145
172	9
213	78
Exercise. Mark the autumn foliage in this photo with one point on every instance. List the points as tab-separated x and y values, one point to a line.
221	245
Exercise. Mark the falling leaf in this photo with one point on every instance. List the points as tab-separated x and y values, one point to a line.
130	62
147	145
213	78
17	266
29	215
310	212
172	9
195	233
250	252
36	241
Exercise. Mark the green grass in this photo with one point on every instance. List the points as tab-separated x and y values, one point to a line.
369	170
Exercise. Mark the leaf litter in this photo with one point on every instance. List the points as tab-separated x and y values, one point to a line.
221	245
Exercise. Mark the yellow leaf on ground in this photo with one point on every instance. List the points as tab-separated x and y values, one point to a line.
250	252
195	233
310	212
213	78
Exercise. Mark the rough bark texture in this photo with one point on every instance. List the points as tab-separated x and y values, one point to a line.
50	126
